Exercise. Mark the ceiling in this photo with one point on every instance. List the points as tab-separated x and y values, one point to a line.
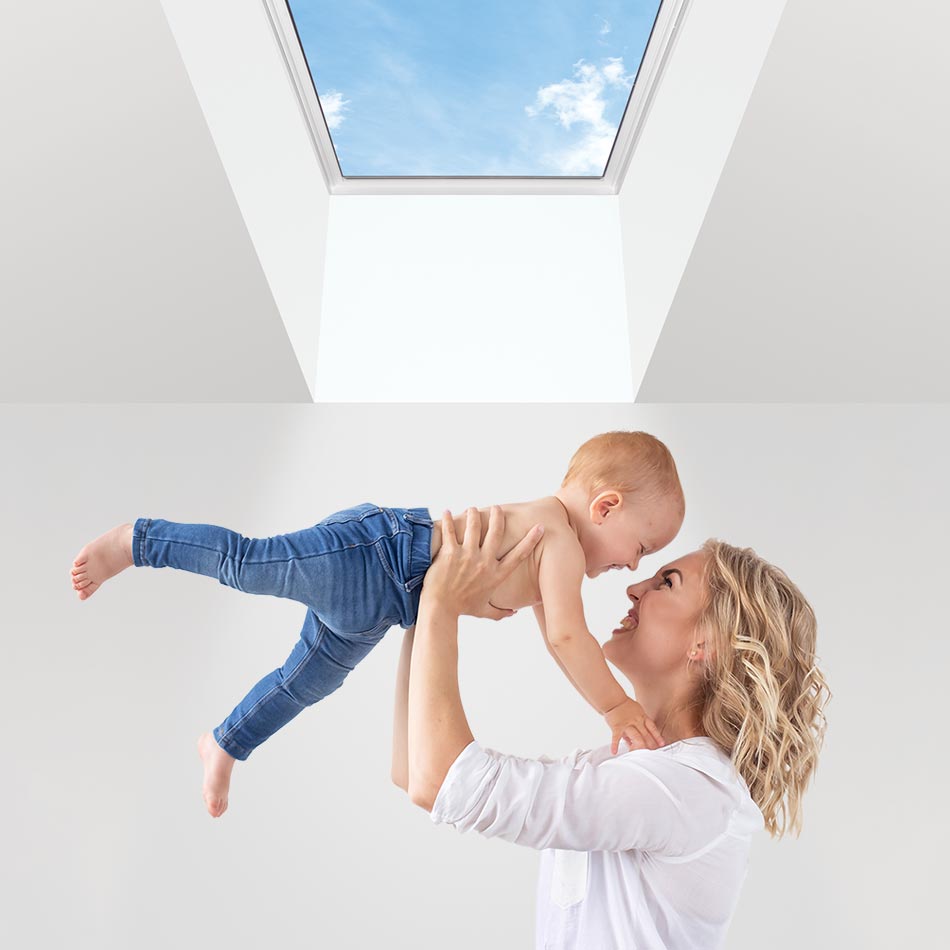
818	274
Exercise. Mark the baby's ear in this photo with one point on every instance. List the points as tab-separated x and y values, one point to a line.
605	502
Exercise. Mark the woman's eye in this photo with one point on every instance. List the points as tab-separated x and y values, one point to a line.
668	581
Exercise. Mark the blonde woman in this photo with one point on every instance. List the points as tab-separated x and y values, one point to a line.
648	848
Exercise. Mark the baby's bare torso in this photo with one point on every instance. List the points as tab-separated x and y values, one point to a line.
521	589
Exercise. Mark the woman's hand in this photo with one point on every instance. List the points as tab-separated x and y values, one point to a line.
459	581
463	575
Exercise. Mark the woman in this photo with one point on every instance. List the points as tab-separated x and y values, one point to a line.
649	848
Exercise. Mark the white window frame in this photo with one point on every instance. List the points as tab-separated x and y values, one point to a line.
668	25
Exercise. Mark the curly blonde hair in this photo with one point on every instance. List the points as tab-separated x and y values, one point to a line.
762	691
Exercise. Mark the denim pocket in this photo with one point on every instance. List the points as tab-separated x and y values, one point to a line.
390	564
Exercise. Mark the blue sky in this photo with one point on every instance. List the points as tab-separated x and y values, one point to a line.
412	87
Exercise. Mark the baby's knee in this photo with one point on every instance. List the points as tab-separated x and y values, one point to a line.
306	692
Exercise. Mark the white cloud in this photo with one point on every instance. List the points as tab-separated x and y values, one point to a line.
614	74
334	106
581	101
586	157
604	25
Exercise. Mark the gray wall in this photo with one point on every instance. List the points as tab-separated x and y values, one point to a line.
126	270
107	841
820	273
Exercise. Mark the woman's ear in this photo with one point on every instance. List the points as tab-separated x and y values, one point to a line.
603	504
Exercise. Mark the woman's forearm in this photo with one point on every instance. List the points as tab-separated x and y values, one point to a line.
400	767
438	730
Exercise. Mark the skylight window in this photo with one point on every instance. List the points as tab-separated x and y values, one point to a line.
494	89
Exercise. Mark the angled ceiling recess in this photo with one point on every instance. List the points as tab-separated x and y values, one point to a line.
260	110
482	99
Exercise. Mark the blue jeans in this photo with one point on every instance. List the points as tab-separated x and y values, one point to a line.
359	572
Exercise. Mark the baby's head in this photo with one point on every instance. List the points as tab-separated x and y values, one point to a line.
624	493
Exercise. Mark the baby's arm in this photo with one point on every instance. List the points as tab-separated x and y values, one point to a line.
562	621
539	616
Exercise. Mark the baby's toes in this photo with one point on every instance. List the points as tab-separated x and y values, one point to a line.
216	805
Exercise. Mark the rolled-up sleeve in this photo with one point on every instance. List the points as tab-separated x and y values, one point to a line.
584	802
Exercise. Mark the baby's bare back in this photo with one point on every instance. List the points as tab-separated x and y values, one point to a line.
521	588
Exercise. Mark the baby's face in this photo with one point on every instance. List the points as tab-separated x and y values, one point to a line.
629	532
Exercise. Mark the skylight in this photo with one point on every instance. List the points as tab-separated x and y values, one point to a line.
424	89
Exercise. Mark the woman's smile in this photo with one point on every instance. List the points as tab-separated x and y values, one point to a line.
629	622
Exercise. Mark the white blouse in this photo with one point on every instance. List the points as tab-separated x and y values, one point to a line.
644	850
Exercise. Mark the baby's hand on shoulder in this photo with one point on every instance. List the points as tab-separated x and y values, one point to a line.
627	720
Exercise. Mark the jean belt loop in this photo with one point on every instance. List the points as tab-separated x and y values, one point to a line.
420	545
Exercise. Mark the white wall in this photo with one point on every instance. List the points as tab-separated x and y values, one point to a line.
240	79
681	153
473	298
108	845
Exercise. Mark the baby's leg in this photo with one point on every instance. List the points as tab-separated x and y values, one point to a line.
337	567
287	565
101	559
315	668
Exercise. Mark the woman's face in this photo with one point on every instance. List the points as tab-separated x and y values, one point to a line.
660	629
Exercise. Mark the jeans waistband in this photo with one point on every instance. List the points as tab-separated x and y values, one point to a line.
420	546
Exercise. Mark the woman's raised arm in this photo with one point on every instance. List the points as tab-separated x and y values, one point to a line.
400	767
459	581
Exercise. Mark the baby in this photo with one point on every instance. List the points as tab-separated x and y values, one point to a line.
360	571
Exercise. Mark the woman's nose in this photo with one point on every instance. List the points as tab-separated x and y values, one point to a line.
635	591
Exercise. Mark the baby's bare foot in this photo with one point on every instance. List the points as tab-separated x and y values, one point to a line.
217	780
101	559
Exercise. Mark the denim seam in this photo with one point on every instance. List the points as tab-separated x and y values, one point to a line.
415	577
331	520
276	560
242	752
387	623
386	565
287	679
393	521
410	540
415	581
306	557
141	541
